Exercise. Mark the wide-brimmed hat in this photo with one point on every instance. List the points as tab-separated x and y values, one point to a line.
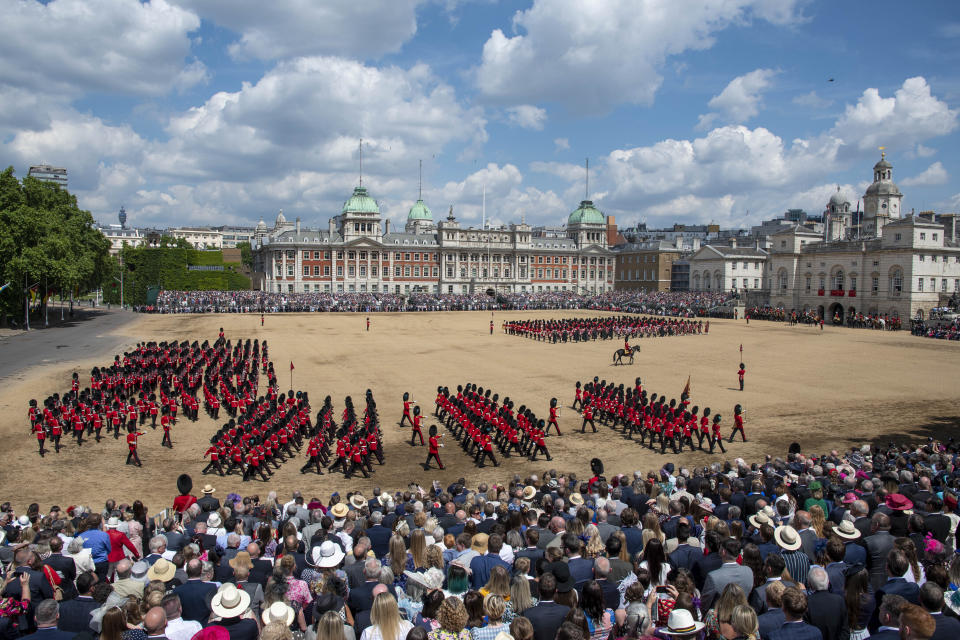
706	504
846	530
898	502
383	499
849	498
431	579
358	501
214	521
328	554
787	537
113	523
760	518
529	493
681	623
279	612
162	570
242	559
213	632
229	601
479	542
207	489
339	510
576	499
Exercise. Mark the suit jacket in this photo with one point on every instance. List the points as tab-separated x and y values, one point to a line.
878	546
175	540
684	556
40	589
480	568
193	598
49	633
546	537
261	571
837	579
619	569
581	570
855	553
770	621
546	619
719	578
704	565
808	540
67	569
828	613
898	586
605	529
947	628
75	614
796	631
379	540
862	525
241	628
937	524
208	503
533	554
354	574
635	540
361	598
611	596
886	634
758	597
152	558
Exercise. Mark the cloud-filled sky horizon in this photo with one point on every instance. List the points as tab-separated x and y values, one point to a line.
210	112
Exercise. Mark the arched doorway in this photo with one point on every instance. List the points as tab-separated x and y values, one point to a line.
820	311
835	314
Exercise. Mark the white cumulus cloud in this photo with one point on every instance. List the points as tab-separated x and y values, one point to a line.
812	100
935	174
527	116
740	100
591	56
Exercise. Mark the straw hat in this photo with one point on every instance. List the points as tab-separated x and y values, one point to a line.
279	612
787	537
576	499
230	602
113	523
681	623
162	570
479	542
242	559
358	501
759	518
846	530
208	489
328	554
529	493
339	510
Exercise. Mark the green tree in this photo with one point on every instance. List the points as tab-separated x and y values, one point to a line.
46	241
246	254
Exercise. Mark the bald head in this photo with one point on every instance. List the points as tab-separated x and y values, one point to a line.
254	550
378	589
155	622
123	568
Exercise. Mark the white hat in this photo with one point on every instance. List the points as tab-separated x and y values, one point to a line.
113	523
339	510
787	537
213	520
431	579
846	530
328	554
279	612
681	623
230	602
208	489
23	521
358	501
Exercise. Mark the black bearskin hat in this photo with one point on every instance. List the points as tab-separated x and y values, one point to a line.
596	465
184	484
406	396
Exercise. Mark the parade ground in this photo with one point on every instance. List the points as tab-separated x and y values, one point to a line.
824	390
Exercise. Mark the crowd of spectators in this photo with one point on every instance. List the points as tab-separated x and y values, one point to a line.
938	330
854	321
839	546
659	303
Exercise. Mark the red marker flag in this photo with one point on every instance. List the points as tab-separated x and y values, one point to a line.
291	362
741	351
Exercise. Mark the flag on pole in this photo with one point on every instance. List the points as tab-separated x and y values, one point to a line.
686	387
741	347
291	365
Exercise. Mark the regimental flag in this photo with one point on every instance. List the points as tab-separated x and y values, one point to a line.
686	388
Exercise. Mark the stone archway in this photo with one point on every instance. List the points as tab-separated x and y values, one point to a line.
835	314
820	311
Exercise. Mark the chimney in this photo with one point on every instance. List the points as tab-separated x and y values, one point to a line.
332	227
679	242
298	226
733	242
386	226
695	244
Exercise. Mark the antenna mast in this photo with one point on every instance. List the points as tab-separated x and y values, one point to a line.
420	190
361	162
484	208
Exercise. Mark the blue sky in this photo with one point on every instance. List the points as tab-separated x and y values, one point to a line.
727	111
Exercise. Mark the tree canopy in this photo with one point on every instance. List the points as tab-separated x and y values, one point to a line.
46	240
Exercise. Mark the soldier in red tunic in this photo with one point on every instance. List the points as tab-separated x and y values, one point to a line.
553	416
588	417
214	463
738	423
41	432
166	442
132	445
406	410
741	373
434	448
717	438
417	432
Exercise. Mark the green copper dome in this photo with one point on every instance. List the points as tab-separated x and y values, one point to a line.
419	211
586	213
360	202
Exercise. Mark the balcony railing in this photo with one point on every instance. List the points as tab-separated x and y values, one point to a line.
837	293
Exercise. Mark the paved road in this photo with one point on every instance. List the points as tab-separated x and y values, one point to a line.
87	335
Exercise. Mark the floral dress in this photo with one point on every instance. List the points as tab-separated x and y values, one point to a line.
298	592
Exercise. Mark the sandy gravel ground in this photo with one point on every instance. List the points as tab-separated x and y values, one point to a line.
824	390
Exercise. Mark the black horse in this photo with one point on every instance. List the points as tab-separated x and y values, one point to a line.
620	353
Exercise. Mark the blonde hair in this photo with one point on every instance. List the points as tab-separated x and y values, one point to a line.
419	519
434	557
495	606
520	598
499	582
418	548
818	520
730	598
386	615
330	627
277	631
743	619
452	615
398	554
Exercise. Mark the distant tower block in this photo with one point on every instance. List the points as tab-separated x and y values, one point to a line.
122	217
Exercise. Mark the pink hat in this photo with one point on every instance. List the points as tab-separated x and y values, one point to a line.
849	498
898	502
